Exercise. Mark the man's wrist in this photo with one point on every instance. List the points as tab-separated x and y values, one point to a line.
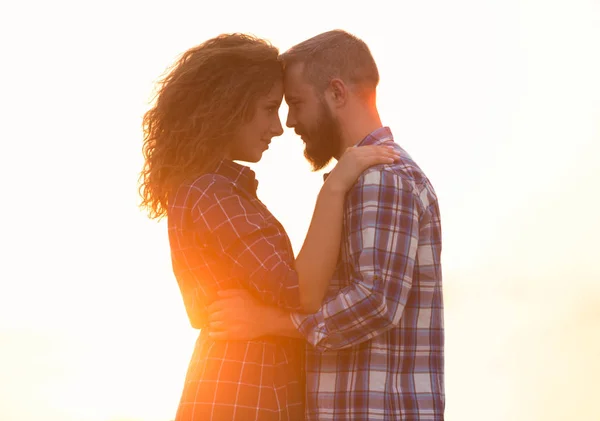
280	324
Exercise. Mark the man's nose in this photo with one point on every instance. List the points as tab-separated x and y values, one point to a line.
290	121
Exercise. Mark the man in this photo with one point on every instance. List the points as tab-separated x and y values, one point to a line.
376	346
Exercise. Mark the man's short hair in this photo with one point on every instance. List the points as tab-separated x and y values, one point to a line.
335	54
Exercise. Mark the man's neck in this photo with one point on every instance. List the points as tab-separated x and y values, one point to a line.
357	128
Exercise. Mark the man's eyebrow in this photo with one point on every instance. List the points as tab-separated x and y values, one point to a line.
291	98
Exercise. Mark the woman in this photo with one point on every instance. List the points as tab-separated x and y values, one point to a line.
217	105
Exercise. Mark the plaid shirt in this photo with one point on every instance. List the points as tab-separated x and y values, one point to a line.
377	341
223	237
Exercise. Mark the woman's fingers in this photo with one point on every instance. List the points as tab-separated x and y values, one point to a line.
366	156
355	160
374	150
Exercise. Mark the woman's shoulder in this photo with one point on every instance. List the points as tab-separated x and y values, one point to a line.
210	183
202	188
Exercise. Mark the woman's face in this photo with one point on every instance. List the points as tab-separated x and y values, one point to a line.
253	137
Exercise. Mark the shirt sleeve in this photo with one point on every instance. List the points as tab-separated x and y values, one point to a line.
382	218
253	243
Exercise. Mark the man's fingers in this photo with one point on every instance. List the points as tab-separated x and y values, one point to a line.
228	299
216	316
223	332
222	304
218	336
216	306
231	293
217	326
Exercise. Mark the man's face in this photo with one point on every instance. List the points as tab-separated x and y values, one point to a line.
310	117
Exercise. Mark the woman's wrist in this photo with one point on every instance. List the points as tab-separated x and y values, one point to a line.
331	188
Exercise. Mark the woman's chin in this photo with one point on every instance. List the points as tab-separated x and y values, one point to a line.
250	158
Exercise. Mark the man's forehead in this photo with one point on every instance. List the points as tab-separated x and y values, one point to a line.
294	81
293	70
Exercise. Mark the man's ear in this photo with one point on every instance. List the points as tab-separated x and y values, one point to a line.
338	92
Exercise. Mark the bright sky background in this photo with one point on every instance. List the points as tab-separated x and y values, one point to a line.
498	101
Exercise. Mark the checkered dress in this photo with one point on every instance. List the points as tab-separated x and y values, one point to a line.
223	237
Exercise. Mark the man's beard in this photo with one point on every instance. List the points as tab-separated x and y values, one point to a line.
323	141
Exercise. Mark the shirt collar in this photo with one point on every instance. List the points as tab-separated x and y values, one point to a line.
240	175
376	137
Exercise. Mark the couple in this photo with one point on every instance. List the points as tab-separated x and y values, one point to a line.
350	329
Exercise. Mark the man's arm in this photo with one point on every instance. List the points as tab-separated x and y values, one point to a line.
383	226
237	315
281	324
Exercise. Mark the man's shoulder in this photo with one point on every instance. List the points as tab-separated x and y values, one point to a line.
399	174
399	178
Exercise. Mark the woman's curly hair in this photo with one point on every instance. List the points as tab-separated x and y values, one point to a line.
200	105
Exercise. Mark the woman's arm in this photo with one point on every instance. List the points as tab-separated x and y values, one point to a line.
317	258
256	248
